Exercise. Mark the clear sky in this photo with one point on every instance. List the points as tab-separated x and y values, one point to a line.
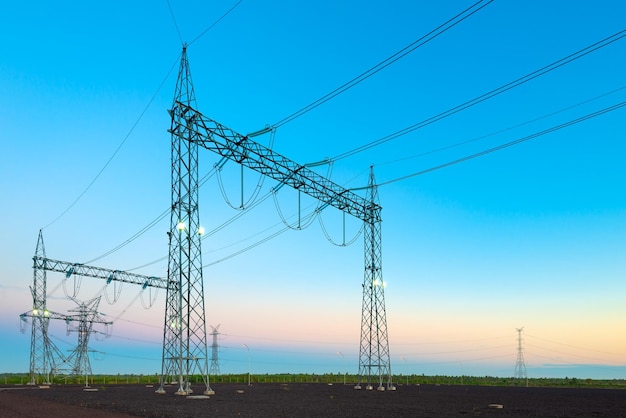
529	236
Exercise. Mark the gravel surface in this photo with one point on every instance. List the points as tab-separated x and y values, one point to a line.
311	400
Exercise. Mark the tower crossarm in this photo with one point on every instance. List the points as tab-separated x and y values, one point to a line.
109	275
239	148
36	313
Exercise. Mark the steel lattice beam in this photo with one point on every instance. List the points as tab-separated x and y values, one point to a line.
224	141
47	264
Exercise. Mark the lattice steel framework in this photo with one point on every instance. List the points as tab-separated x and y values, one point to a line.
374	363
87	315
520	364
41	263
190	125
215	363
184	329
45	357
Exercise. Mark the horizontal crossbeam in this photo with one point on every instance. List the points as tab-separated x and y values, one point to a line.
224	141
109	275
46	314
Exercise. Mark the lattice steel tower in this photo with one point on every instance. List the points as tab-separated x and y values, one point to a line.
520	365
374	361
42	361
184	329
86	315
215	365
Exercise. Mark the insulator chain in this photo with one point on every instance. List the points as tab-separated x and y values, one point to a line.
23	323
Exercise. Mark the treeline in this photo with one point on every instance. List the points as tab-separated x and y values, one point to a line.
327	378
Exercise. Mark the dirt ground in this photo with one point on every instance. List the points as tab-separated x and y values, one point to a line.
311	400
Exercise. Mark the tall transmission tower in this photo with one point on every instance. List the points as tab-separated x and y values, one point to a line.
374	359
215	365
41	360
184	329
520	364
45	358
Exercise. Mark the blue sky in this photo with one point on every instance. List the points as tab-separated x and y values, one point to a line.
532	235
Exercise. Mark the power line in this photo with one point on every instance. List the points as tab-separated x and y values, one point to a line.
154	222
133	237
574	346
143	112
506	87
169	6
498	132
117	149
215	23
387	61
503	146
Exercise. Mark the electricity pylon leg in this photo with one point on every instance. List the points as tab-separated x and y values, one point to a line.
374	361
184	329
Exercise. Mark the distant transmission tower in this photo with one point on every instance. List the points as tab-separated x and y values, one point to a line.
184	329
374	359
215	365
87	315
520	365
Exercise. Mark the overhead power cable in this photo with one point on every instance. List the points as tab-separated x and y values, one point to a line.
119	147
215	23
503	146
572	346
180	37
307	219
388	61
501	131
142	113
132	238
256	244
506	87
155	221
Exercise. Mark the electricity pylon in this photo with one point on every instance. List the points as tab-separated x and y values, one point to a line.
184	329
87	315
374	359
188	124
215	365
520	364
45	358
